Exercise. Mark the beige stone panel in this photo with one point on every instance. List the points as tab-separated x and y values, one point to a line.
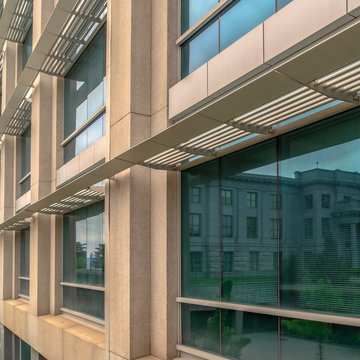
58	126
237	63
159	120
164	263
300	23
99	352
80	342
6	261
40	264
131	130
56	263
164	52
129	263
51	339
100	149
41	12
21	313
191	91
8	73
22	201
354	7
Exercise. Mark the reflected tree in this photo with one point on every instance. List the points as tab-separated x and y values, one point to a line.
97	260
80	255
312	330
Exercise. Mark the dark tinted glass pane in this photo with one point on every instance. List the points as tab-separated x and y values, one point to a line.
25	186
84	245
243	17
27	46
25	152
25	351
194	10
86	301
25	252
201	327
305	339
69	150
246	233
24	287
201	48
85	87
248	336
321	243
200	233
282	3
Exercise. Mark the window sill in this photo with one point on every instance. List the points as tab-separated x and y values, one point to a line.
83	286
86	319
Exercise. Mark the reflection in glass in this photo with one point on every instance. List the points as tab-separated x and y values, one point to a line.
25	160
305	339
251	174
84	245
234	334
321	240
85	90
194	10
86	301
200	49
200	233
24	260
243	17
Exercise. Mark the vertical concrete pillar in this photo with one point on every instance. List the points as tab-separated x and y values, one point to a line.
8	73
128	280
41	130
164	187
6	211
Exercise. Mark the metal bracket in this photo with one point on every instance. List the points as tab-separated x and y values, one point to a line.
253	128
194	151
335	93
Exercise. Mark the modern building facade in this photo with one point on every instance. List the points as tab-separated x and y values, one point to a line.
180	179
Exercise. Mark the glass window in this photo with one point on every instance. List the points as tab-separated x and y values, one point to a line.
196	261
226	197
207	284
228	257
308	200
25	160
227	226
27	46
24	261
282	3
317	157
251	227
274	198
251	200
195	224
197	51
308	228
254	260
193	10
273	228
229	333
195	195
84	245
85	87
242	17
325	201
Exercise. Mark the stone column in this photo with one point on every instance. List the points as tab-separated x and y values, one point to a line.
128	280
7	238
164	187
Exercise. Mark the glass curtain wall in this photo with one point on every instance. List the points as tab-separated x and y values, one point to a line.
24	262
14	348
231	24
25	161
84	244
27	46
280	228
85	96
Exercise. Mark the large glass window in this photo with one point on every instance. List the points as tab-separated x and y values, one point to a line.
24	262
303	255
25	161
84	259
231	24
85	95
27	46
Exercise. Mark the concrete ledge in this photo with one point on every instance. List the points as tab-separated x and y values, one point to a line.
87	158
22	201
55	337
354	7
